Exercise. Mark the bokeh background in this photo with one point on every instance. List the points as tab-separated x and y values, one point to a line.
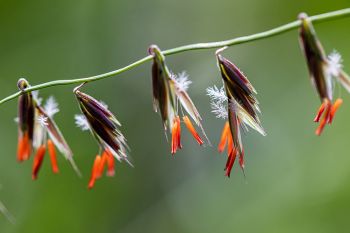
296	182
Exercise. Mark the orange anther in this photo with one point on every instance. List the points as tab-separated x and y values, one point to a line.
102	164
178	132
20	149
230	146
193	131
334	109
319	112
176	136
38	160
94	172
110	164
24	148
224	137
325	118
230	161
52	153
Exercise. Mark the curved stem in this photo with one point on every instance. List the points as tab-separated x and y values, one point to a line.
198	46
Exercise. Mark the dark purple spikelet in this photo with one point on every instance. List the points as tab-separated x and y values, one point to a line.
105	128
26	118
323	70
240	94
103	123
163	98
38	130
170	97
241	109
316	58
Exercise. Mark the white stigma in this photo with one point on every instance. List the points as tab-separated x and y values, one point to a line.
216	94
219	109
218	100
335	63
81	122
51	106
42	121
182	80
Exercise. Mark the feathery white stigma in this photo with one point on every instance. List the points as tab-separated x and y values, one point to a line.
42	121
51	106
216	94
335	63
182	80
219	109
218	100
81	122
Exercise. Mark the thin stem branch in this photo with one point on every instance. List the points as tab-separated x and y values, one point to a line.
199	46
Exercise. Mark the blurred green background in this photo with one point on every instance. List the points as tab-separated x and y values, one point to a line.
296	182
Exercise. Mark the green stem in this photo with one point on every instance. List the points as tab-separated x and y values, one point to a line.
211	45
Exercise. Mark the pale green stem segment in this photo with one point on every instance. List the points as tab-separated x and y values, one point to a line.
211	45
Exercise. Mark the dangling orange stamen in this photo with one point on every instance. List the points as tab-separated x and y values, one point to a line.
110	164
24	148
326	117
38	160
193	131
224	137
230	146
95	171
27	147
334	109
176	136
52	153
230	161
178	132
319	112
102	164
173	138
231	151
20	150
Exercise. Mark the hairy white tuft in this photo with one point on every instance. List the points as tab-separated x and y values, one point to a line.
42	121
218	100
51	106
335	63
81	122
182	80
219	109
216	94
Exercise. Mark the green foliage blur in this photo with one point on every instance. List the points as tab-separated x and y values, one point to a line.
296	182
